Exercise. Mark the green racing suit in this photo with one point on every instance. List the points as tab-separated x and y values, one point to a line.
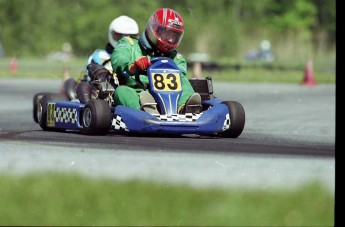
129	49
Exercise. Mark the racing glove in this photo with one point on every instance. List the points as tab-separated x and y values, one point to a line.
141	64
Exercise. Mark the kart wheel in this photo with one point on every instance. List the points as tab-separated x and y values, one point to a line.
96	117
36	99
69	88
38	96
237	119
40	109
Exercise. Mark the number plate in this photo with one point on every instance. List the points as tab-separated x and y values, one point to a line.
166	81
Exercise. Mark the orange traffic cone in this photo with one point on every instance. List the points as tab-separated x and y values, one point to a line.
309	79
13	65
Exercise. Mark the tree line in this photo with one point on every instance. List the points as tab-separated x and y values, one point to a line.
222	28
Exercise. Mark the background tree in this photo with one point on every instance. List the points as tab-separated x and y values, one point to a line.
225	29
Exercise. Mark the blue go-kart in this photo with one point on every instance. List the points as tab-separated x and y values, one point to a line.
55	112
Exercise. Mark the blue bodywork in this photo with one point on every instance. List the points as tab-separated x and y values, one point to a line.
210	121
165	86
67	115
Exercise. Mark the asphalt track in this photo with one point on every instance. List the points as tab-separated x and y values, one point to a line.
288	139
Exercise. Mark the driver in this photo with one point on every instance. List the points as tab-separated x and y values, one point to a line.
163	34
120	27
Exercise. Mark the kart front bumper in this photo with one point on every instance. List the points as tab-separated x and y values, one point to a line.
214	120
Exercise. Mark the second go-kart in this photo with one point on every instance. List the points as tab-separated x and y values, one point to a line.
101	115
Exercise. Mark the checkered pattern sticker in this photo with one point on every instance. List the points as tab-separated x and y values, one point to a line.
226	125
188	117
65	115
118	124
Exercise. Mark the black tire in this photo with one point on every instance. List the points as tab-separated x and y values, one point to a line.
38	96
96	117
35	100
69	88
237	119
40	110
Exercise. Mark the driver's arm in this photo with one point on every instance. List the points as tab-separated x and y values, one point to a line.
122	57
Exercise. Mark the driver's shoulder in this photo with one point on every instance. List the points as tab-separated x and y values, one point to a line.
127	40
176	55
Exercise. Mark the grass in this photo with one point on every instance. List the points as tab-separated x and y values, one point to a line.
324	71
262	75
59	199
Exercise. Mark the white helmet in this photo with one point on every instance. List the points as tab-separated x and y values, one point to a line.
123	25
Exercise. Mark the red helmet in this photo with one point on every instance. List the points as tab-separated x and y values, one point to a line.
164	29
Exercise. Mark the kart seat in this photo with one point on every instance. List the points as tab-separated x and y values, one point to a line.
203	86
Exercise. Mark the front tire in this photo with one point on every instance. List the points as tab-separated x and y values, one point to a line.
96	117
237	119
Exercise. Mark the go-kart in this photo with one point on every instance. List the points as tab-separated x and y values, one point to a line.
100	115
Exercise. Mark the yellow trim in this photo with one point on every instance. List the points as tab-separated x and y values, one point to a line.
178	55
130	40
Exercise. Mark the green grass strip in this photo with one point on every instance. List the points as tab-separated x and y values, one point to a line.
60	199
255	73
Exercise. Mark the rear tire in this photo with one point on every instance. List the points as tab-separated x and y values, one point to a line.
36	99
40	110
70	88
237	119
96	117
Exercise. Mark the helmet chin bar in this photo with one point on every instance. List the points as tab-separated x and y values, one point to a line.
166	47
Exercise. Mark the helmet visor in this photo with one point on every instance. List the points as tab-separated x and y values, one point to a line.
170	35
117	36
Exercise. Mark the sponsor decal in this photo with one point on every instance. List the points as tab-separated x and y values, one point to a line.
175	22
50	115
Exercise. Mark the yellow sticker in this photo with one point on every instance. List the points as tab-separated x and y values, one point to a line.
166	82
178	55
50	115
